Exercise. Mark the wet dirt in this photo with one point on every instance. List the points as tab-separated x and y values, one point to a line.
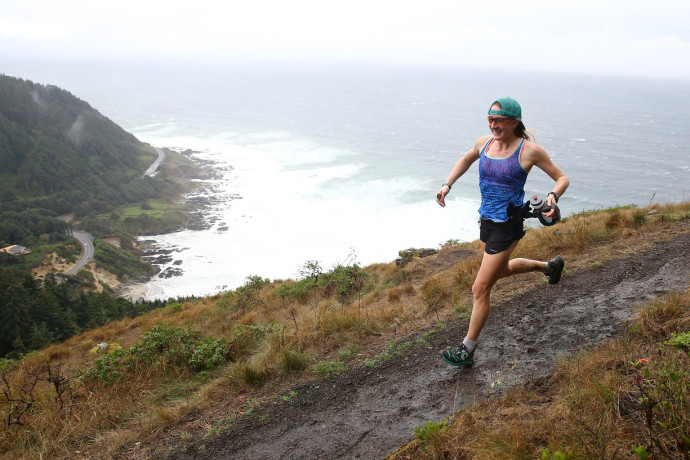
369	412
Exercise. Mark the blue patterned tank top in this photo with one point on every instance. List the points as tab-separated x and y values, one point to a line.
502	182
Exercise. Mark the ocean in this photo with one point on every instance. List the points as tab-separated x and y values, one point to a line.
340	163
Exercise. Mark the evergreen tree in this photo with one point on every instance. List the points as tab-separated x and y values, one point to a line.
40	336
14	311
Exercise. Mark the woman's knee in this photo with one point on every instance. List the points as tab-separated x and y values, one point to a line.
480	288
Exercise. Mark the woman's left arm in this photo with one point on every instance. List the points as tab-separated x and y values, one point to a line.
537	156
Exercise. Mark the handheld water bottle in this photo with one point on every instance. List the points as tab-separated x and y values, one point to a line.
539	205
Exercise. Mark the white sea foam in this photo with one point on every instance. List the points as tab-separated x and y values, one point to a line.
299	201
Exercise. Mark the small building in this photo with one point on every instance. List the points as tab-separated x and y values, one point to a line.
15	250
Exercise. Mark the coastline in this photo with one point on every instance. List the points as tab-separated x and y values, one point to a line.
200	218
237	230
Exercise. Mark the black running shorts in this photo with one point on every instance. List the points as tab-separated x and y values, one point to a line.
498	236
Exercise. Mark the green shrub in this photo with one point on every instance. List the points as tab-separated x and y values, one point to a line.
207	354
681	341
174	307
343	282
246	296
160	348
249	336
6	364
67	252
108	369
296	290
327	367
430	431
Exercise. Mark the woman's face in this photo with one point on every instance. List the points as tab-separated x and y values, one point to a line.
501	126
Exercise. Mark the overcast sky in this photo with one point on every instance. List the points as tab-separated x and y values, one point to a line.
631	37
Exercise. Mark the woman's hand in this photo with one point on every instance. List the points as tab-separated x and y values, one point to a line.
441	195
550	200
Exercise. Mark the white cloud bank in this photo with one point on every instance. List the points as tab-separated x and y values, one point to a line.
631	37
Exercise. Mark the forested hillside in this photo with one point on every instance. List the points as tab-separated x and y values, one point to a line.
60	154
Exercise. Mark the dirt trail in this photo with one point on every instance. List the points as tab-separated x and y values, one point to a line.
369	412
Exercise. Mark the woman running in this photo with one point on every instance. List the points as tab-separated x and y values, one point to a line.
505	158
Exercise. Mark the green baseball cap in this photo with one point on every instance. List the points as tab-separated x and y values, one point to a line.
509	108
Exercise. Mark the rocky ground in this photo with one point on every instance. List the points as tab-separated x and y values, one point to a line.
369	412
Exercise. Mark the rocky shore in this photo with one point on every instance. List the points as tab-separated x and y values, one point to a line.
204	199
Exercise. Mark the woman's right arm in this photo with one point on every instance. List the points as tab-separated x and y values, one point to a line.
460	168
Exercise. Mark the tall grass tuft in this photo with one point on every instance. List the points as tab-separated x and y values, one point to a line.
337	322
252	374
293	361
435	295
617	219
466	271
658	319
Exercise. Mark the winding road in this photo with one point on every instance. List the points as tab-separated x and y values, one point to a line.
154	167
86	239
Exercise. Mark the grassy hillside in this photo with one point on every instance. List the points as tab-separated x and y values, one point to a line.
216	358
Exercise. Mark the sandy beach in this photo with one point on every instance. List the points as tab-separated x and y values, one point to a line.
133	290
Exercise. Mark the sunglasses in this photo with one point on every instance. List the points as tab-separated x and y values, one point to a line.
500	121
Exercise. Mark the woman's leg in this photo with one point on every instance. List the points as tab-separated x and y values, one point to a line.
517	266
492	269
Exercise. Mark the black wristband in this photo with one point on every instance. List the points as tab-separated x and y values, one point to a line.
555	195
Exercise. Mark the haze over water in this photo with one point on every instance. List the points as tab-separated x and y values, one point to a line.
321	161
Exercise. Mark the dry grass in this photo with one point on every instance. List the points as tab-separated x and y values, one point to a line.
435	294
466	271
282	338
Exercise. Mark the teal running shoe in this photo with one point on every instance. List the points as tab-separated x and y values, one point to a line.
458	356
556	264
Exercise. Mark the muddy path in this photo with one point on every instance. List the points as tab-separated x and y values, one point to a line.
369	412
